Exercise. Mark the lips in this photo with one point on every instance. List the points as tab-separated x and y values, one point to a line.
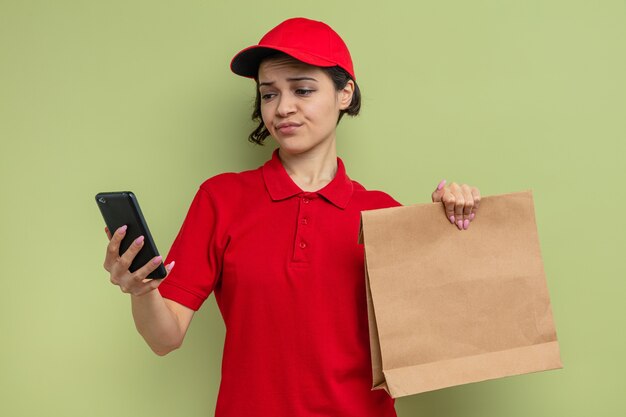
287	127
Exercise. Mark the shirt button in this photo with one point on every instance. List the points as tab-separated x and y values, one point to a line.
305	200
302	245
305	221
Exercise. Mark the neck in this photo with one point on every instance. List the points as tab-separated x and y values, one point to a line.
313	169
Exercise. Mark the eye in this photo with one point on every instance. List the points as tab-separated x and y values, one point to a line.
267	96
304	91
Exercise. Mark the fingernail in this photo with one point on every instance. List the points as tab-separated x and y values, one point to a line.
451	219
441	184
171	265
466	224
472	216
459	224
157	260
139	240
122	229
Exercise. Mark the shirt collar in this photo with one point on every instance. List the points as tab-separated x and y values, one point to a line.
280	185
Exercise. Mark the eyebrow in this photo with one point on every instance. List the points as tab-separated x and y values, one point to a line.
289	79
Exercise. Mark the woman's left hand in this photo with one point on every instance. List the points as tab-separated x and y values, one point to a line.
461	202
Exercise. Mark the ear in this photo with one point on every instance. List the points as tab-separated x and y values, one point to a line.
345	95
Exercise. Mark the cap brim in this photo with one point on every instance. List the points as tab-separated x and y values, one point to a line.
246	62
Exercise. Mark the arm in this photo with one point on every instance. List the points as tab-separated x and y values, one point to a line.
163	323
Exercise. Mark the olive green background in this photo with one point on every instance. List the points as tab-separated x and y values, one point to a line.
137	95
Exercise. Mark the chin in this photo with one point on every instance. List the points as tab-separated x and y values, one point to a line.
295	146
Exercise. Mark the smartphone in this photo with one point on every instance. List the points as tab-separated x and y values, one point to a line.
122	208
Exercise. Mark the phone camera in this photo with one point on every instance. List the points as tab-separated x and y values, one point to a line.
102	200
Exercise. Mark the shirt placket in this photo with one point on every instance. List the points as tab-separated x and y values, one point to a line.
304	231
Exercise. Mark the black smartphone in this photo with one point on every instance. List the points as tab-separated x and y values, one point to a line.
122	208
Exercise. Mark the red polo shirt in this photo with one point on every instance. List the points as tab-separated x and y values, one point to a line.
289	280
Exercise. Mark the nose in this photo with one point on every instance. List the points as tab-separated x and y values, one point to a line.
286	105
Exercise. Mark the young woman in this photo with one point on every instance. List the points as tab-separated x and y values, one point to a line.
278	246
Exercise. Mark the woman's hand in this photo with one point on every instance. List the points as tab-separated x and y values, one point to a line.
460	201
136	282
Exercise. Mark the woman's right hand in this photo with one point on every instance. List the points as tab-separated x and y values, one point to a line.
135	283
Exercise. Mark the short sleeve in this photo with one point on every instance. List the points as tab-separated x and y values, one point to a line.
197	254
391	202
383	200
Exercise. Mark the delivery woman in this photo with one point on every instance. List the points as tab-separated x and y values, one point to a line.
278	246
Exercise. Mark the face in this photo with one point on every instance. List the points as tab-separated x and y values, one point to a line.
299	104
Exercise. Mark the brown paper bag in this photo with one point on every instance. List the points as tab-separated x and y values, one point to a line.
449	307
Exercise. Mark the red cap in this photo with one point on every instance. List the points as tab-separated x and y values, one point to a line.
306	40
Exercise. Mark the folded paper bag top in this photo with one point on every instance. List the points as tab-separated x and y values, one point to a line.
448	307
